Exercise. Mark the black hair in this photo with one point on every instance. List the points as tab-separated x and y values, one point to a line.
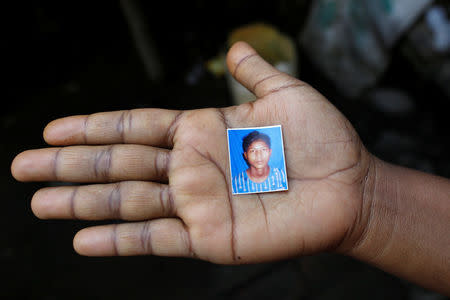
254	136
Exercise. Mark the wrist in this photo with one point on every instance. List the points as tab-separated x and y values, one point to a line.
375	217
403	225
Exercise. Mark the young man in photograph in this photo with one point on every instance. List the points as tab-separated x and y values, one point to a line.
259	177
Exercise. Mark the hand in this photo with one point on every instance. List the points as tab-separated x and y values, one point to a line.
166	173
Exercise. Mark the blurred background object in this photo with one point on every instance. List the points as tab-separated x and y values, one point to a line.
427	46
137	22
351	40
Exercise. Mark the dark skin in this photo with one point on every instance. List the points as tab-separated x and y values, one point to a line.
167	172
257	156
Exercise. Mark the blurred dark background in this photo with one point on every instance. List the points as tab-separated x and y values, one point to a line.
79	57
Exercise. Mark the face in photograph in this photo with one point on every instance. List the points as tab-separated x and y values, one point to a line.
257	154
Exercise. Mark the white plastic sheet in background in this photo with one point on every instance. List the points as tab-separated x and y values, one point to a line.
393	17
427	47
350	40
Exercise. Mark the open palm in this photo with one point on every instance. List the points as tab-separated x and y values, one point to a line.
167	172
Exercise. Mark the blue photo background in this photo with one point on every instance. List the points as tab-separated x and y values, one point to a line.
235	137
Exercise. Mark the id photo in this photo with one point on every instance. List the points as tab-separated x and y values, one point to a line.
257	161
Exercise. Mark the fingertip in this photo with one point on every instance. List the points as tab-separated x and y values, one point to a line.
19	165
13	168
48	133
34	165
94	241
81	243
238	51
50	203
38	205
65	131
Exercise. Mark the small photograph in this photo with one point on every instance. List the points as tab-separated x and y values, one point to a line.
257	160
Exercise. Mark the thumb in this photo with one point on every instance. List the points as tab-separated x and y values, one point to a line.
253	72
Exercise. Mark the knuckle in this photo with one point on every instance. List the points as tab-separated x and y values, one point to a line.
187	241
262	83
124	124
276	84
102	163
146	238
114	240
242	64
86	128
72	201
171	132
161	163
115	201
167	201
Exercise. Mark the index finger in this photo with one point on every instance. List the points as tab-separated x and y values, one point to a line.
149	126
